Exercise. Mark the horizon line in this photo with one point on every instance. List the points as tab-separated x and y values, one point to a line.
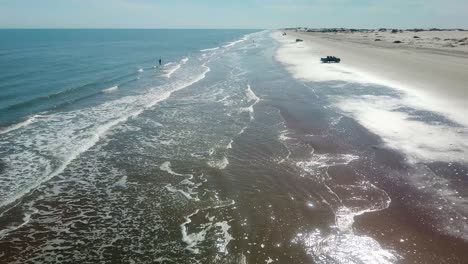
181	28
101	28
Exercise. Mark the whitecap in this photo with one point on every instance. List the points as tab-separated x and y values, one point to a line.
172	70
111	89
211	49
27	122
233	43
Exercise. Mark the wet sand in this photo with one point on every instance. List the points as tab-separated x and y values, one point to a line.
403	226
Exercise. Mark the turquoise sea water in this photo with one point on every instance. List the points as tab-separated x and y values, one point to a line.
43	70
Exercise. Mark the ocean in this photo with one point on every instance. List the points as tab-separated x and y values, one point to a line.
219	155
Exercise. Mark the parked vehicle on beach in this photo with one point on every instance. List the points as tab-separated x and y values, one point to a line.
330	59
299	40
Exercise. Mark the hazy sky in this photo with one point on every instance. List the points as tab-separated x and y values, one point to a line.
232	14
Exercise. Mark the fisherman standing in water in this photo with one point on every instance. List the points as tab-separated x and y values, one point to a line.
160	62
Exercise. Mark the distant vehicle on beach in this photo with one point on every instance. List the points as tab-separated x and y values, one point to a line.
299	40
330	59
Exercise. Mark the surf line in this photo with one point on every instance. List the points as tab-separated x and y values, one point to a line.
97	135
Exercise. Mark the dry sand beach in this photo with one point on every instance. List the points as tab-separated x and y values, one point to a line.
428	67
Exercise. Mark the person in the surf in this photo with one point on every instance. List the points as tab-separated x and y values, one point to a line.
160	62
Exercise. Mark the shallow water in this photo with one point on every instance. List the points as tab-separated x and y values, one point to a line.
223	158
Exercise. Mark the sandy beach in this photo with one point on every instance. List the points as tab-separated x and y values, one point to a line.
411	100
427	68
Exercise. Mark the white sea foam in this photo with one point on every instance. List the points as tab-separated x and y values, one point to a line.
251	96
233	43
366	249
320	161
111	89
242	131
166	166
220	164
38	151
283	135
224	100
163	260
44	167
229	146
284	138
140	70
26	219
193	239
212	49
172	70
223	242
22	124
122	182
243	259
187	195
342	245
249	110
211	151
186	188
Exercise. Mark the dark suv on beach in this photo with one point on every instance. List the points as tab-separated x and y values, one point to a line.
330	59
